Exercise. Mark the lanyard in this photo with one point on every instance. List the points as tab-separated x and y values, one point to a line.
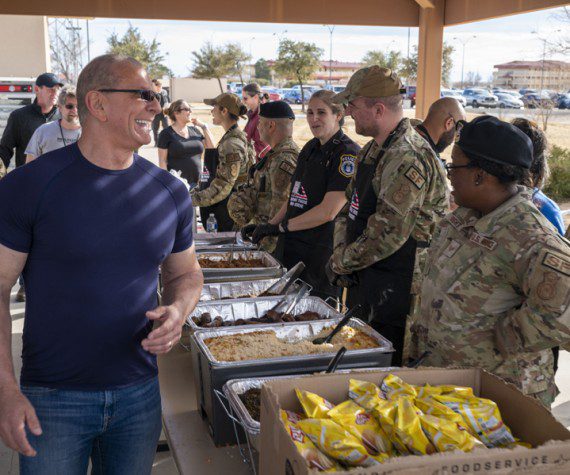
61	132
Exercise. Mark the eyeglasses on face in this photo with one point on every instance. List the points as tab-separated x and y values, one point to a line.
145	94
458	124
70	106
448	166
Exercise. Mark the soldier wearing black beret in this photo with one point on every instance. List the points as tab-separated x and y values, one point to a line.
496	292
268	188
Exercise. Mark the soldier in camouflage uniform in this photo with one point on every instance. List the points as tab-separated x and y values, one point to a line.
226	167
496	291
268	189
395	198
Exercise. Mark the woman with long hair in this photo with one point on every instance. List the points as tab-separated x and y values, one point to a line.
253	97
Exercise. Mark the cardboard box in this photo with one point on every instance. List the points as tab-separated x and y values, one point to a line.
526	417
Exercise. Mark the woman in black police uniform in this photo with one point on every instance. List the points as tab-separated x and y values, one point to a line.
305	222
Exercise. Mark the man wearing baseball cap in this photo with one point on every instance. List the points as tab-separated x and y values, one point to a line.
496	294
22	123
395	198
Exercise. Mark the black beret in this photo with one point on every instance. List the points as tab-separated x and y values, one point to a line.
489	138
276	110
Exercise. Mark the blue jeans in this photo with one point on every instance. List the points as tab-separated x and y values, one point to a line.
117	429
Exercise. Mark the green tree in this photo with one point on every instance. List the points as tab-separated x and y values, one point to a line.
147	52
409	69
262	70
212	62
392	60
238	58
298	60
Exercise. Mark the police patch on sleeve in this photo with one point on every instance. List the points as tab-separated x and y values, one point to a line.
346	167
414	175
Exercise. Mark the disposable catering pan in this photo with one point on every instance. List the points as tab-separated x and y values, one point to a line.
211	375
232	310
271	267
222	241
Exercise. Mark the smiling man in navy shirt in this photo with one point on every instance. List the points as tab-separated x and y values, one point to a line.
89	225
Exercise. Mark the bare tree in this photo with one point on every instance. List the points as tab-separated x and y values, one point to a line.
66	47
562	43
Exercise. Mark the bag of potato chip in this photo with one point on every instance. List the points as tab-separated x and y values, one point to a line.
314	405
407	427
446	435
362	425
357	388
393	387
482	417
314	457
339	444
386	412
429	405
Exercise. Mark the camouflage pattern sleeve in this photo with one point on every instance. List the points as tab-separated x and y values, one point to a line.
232	153
242	205
281	170
543	320
400	183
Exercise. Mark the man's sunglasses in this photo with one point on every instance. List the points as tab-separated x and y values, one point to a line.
70	106
145	94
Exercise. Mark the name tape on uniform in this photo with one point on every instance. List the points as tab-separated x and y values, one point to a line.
287	168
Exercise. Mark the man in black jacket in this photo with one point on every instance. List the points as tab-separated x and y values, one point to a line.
22	123
160	118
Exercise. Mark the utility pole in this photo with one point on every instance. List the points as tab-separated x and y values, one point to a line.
464	42
331	31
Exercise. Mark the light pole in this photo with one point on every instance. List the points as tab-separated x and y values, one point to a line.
331	31
250	57
464	42
544	41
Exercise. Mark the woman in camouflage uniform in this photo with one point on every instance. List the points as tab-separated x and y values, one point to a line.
226	166
496	290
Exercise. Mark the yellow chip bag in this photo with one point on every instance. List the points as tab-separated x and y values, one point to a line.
314	405
429	405
314	457
339	444
482	417
363	426
408	429
458	391
393	387
446	435
386	412
358	389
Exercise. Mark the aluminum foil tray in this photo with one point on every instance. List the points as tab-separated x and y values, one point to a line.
256	307
238	290
291	332
271	267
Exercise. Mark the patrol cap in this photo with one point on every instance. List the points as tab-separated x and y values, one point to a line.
372	81
276	110
228	100
489	138
48	80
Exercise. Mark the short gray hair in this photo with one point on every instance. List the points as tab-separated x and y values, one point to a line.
101	72
67	91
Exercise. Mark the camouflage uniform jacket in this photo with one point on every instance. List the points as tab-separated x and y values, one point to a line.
263	196
235	156
496	295
412	196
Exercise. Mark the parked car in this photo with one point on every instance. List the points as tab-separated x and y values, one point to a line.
563	101
293	96
411	94
476	97
455	94
335	88
274	94
525	91
535	100
507	91
508	101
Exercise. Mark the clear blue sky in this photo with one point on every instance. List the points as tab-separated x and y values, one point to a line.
497	41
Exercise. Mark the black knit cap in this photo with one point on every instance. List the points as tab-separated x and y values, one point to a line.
276	110
489	138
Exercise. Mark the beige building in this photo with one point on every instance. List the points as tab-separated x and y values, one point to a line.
552	75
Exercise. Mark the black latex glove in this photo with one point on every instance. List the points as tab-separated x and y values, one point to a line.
263	230
340	280
247	231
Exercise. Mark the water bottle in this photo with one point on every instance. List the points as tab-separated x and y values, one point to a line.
212	224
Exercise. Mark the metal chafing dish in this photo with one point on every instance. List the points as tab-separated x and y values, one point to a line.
271	267
235	290
255	307
210	375
222	241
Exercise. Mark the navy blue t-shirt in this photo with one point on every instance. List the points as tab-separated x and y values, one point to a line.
95	239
